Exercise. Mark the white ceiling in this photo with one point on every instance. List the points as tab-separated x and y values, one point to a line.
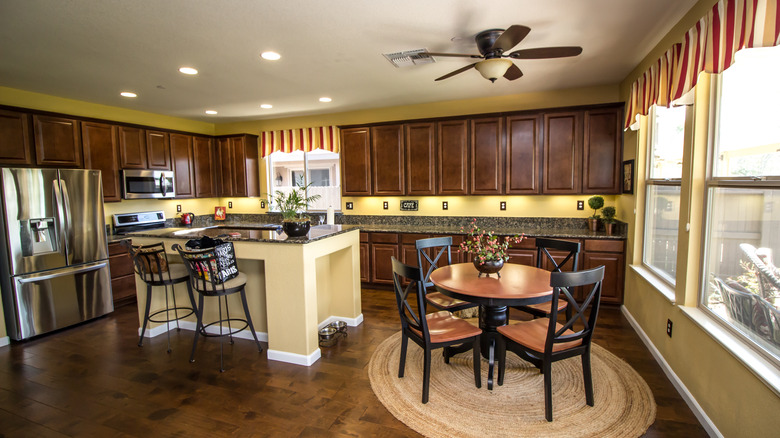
92	49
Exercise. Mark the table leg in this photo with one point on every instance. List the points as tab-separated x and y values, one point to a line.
490	318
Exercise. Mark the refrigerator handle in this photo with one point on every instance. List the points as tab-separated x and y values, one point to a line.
60	216
68	229
36	278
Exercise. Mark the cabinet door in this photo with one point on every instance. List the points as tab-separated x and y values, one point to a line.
158	150
225	167
562	149
238	167
182	160
100	149
612	287
522	256
355	162
602	151
203	160
523	154
57	142
487	156
387	154
420	159
15	146
365	260
382	268
132	148
452	157
251	165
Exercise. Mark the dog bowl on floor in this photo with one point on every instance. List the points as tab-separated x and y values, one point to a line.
328	336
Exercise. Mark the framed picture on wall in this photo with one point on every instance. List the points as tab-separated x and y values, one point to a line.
628	176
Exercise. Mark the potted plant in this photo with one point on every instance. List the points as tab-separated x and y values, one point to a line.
609	219
488	250
595	202
292	204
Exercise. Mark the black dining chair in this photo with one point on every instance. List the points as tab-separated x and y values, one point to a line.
544	341
427	262
543	247
429	331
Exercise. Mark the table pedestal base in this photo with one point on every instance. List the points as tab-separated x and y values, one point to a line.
490	318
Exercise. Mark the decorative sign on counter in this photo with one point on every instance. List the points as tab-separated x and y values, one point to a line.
409	205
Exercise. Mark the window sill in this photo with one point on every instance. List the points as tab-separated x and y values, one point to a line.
661	286
755	362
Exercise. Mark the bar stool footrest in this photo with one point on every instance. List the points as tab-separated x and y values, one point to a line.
172	309
231	332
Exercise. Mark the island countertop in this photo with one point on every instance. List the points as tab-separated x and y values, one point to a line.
249	232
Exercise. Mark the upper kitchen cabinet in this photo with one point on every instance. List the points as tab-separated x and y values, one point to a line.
57	142
182	160
99	144
15	145
132	148
487	156
203	166
387	155
602	151
523	154
239	166
421	158
355	162
562	153
225	179
158	150
452	151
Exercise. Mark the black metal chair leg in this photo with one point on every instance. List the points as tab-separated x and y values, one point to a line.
198	327
146	314
586	374
501	353
426	375
227	318
547	390
402	362
249	320
221	338
168	318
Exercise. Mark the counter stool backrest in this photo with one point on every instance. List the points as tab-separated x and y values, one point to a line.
202	267
151	264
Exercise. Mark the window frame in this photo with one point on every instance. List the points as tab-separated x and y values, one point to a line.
305	169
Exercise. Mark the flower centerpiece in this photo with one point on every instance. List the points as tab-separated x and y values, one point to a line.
487	250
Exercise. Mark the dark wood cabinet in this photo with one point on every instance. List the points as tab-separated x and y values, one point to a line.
57	142
523	154
182	160
365	258
238	154
122	274
203	167
132	148
383	246
452	154
239	166
523	253
225	167
562	153
609	253
602	151
15	146
387	159
487	156
99	144
420	159
355	162
158	150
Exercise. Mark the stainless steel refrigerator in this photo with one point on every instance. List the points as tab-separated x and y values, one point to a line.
55	259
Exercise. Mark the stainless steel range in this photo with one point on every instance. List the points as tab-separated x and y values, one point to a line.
128	222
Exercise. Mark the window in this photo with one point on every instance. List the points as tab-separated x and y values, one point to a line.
741	281
665	151
319	168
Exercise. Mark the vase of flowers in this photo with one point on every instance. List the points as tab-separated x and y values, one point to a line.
489	252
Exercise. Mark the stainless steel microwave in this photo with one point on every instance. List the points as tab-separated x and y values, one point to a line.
141	184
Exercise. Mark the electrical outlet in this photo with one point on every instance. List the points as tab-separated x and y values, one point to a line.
349	206
444	205
502	205
230	204
262	204
385	205
580	205
669	327
178	208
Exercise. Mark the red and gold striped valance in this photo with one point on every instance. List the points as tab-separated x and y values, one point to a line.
709	46
304	139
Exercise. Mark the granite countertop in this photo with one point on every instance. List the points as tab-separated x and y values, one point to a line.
557	232
245	232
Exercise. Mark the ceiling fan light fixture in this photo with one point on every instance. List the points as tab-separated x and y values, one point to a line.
494	68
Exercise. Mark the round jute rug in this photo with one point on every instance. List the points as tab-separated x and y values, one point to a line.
624	404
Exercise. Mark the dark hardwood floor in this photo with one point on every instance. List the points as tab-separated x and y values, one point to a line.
93	380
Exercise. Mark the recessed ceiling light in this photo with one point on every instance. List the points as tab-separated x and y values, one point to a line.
266	106
128	94
271	56
188	71
210	112
325	99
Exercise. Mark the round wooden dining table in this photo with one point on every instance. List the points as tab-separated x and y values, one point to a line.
518	285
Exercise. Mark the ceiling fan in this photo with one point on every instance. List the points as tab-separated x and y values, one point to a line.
492	45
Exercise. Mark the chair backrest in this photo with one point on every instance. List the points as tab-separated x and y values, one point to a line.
440	246
408	281
768	281
581	316
740	304
202	267
151	263
544	245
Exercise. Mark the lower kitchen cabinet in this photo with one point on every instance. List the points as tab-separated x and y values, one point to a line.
365	259
609	253
122	274
382	247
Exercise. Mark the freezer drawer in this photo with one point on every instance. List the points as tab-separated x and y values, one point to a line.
54	299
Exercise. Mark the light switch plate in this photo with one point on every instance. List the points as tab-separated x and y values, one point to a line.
262	204
230	204
178	208
385	205
580	205
349	206
444	205
502	205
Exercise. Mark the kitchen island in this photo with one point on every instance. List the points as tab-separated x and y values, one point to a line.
294	285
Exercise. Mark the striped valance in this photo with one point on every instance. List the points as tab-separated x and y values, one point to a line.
709	46
304	139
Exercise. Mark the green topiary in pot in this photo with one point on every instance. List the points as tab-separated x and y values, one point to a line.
292	204
595	202
609	219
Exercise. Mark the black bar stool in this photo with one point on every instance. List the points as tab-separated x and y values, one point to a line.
151	264
203	278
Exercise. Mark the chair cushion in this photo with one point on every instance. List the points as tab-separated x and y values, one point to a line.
178	272
442	301
230	286
546	308
533	334
445	327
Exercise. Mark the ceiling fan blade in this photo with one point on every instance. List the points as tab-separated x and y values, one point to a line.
458	71
546	52
513	73
458	55
511	37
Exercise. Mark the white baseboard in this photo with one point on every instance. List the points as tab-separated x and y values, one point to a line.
352	322
686	395
190	325
5	341
297	359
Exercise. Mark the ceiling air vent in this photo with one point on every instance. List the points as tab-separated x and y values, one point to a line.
409	58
